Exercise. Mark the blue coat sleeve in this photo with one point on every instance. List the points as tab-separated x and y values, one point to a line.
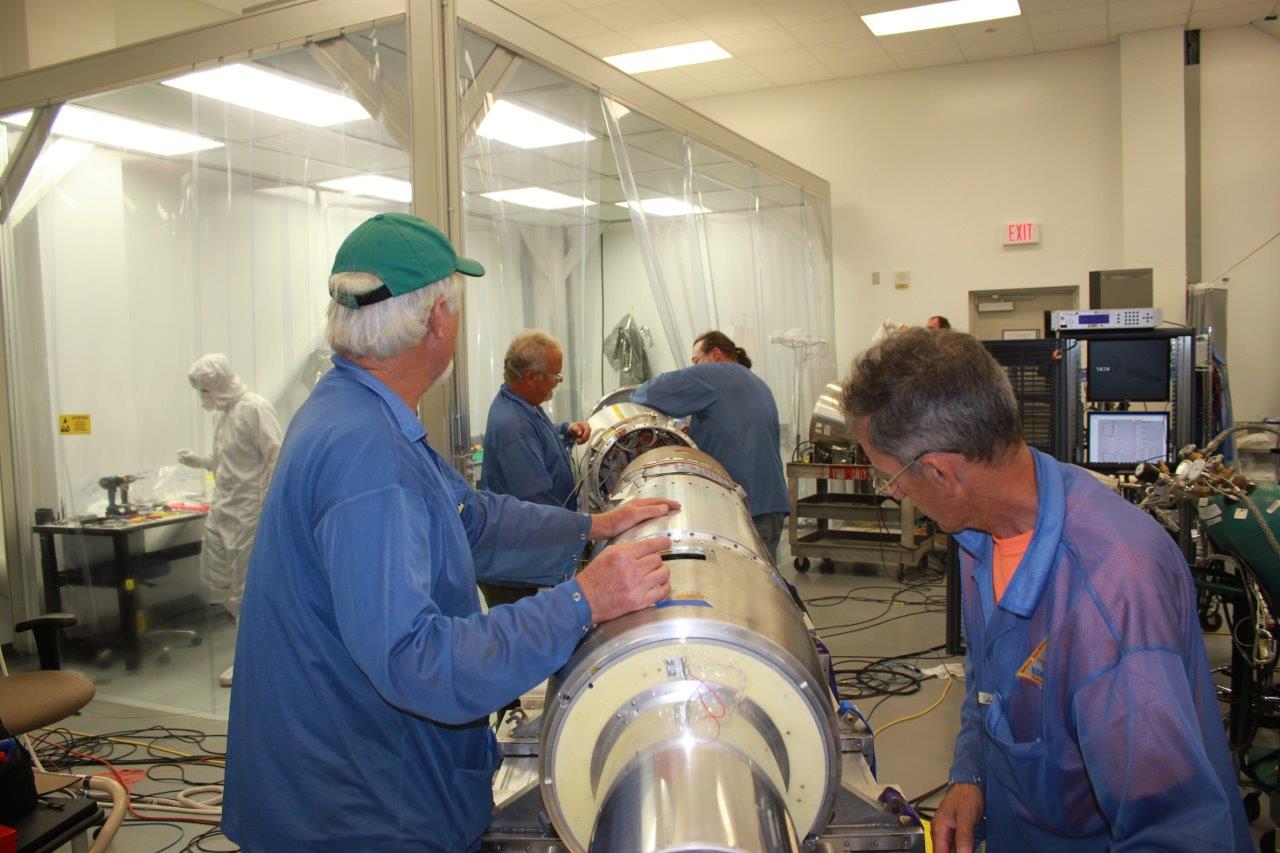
515	541
1146	758
679	393
383	555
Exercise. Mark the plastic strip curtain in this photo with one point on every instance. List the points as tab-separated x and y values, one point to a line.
542	263
136	260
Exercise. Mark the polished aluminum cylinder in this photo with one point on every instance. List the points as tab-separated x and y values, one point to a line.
717	688
679	798
830	424
619	433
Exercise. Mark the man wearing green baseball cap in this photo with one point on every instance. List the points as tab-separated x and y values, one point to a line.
363	654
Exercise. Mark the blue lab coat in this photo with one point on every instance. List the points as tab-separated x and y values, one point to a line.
1089	715
365	670
735	420
525	455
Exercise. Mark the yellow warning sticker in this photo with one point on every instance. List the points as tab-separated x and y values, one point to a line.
73	425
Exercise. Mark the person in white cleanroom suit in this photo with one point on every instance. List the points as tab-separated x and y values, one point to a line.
245	443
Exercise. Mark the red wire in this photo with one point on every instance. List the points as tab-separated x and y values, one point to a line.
119	778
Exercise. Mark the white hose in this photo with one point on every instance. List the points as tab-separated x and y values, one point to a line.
119	810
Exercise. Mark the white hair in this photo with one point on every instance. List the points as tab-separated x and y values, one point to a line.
384	329
528	351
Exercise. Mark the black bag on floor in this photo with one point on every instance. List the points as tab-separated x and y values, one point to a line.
17	779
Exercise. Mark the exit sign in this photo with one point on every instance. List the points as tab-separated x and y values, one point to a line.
1021	233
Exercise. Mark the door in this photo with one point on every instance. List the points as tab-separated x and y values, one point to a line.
1010	314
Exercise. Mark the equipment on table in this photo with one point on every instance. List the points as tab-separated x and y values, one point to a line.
619	433
112	483
703	723
1236	565
1106	318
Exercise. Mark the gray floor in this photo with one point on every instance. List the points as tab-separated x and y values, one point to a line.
913	755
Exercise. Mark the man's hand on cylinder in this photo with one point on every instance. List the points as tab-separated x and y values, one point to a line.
580	431
607	525
626	577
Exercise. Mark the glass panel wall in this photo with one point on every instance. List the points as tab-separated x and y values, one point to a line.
652	237
164	222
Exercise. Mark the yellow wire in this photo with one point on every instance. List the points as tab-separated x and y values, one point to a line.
881	729
205	758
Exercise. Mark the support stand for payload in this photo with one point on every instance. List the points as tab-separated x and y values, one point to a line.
707	722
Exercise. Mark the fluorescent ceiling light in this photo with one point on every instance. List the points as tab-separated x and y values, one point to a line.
263	91
120	132
373	186
674	56
526	129
940	15
664	207
539	198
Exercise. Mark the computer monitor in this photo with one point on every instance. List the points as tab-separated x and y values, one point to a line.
1120	440
1129	370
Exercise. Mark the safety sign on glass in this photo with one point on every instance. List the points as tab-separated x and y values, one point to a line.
847	472
73	425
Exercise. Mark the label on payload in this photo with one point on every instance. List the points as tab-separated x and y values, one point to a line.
1242	513
1211	511
1275	505
74	424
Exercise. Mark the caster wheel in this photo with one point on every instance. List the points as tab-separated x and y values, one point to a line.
1267	843
103	659
826	567
1252	806
1211	621
801	564
195	641
163	657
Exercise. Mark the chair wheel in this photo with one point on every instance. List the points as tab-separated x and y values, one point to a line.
1252	806
801	564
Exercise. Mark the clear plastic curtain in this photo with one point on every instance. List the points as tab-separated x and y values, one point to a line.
541	251
124	265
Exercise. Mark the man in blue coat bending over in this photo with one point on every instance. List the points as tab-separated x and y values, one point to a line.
734	420
1089	719
365	670
525	454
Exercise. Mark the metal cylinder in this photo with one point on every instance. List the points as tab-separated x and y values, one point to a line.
619	433
718	685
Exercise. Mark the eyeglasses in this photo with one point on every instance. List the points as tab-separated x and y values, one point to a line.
557	378
884	485
698	357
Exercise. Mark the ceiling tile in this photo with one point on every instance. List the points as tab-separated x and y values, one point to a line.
1206	5
537	8
805	12
764	41
793	76
1071	39
572	25
589	4
632	13
665	77
825	32
924	40
1029	6
689	90
702	8
664	35
606	44
984	31
750	20
1118	29
1123	11
1231	16
925	58
870	7
795	58
861	67
745	83
845	50
998	49
718	70
1079	18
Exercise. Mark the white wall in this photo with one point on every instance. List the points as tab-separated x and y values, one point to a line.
1240	202
926	167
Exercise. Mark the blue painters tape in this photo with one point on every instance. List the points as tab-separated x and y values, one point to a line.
683	602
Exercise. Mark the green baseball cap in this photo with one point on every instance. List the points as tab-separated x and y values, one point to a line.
406	252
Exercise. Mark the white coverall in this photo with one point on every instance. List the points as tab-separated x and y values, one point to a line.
245	443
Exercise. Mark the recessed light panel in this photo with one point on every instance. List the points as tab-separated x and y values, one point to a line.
675	56
539	198
263	91
936	15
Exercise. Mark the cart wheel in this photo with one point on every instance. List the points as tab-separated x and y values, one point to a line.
104	658
1211	620
801	564
197	640
1267	843
1253	806
826	566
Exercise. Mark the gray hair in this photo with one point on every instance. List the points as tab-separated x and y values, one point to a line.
925	391
528	351
384	329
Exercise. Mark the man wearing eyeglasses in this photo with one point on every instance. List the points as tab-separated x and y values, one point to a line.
1090	720
525	454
